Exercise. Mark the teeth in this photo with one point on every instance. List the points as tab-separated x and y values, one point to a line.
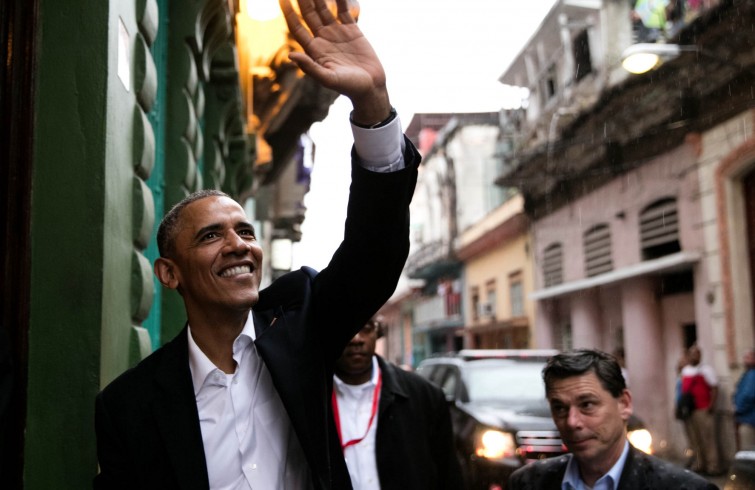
234	271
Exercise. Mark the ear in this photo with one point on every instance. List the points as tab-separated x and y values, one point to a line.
625	404
167	272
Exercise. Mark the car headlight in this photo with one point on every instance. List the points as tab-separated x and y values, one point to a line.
641	439
495	444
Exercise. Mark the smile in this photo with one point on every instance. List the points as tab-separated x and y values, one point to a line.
235	271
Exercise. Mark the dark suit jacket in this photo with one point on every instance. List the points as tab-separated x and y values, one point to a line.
414	443
641	472
148	433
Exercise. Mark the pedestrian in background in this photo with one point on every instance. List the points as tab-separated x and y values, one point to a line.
239	399
394	426
590	405
744	403
701	382
680	412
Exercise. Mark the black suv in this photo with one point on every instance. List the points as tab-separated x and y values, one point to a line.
501	419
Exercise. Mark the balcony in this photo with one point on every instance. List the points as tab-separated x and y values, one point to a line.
432	260
438	312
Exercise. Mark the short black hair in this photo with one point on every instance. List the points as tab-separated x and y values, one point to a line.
166	232
581	361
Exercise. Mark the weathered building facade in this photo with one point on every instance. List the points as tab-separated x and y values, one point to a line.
638	190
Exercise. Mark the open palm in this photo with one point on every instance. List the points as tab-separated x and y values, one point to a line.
336	53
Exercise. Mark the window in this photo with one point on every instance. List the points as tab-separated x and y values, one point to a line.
553	273
486	309
549	84
449	384
563	335
491	298
597	243
582	58
475	296
516	294
659	229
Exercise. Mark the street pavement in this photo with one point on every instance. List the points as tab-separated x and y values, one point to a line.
719	481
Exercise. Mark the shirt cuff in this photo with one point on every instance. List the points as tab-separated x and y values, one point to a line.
380	149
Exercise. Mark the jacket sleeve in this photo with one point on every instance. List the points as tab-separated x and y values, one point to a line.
365	268
744	396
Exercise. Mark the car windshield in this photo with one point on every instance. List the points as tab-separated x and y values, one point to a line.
510	382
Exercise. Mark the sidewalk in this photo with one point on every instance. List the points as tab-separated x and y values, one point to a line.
719	481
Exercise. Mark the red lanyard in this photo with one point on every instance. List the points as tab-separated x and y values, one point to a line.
337	417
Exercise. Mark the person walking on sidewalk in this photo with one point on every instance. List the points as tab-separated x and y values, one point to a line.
744	403
701	381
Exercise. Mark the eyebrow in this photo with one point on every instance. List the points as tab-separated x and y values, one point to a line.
580	398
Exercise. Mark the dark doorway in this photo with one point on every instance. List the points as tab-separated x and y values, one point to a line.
17	23
689	334
749	195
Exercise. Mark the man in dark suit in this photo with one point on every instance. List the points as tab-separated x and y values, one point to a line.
240	398
590	405
394	426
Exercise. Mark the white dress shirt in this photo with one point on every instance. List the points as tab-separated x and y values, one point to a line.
355	404
249	442
610	481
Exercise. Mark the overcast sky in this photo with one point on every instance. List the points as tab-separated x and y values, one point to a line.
439	56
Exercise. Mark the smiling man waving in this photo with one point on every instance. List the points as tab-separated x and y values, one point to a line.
240	399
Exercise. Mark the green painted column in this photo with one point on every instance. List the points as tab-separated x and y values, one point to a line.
92	216
67	256
204	120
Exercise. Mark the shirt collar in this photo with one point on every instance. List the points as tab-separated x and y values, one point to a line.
201	366
610	480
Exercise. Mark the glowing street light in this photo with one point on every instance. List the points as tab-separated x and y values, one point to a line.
643	57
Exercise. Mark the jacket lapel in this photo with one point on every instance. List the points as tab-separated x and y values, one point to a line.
632	473
177	416
391	387
299	380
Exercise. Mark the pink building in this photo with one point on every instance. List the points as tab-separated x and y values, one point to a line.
622	267
640	192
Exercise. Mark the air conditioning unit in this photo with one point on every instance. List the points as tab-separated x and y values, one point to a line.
485	310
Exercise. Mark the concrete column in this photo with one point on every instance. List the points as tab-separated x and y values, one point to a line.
542	337
586	321
644	354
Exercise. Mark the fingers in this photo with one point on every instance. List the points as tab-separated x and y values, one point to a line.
315	14
344	15
326	17
295	27
310	15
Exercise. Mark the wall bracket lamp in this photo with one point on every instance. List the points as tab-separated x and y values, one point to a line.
643	57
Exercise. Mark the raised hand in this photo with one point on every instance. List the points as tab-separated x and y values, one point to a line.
337	55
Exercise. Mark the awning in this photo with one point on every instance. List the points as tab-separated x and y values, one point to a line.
669	263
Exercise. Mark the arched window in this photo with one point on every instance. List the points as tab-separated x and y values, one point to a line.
659	229
597	243
553	265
